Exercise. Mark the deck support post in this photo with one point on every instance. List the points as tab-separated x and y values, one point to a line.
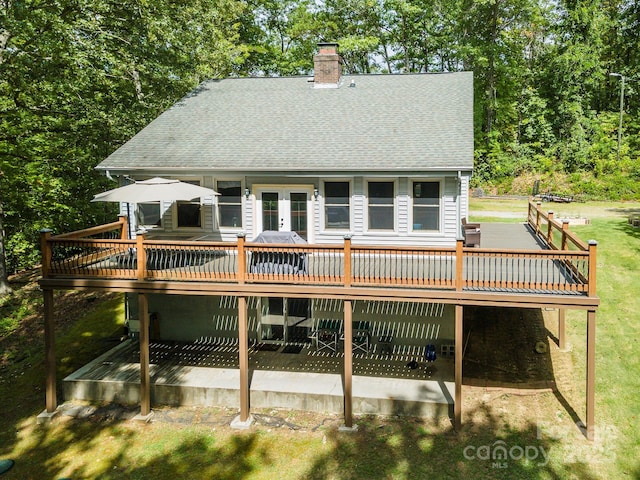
124	229
145	381
141	256
562	341
457	401
243	352
549	228
565	231
347	261
50	352
242	260
459	280
593	249
348	364
591	373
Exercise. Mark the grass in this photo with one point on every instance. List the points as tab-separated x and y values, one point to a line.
618	363
198	443
618	331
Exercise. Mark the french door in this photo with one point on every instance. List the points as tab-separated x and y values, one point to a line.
284	209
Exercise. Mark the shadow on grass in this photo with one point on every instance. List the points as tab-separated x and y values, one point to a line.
381	448
500	348
112	448
630	230
61	449
85	325
406	448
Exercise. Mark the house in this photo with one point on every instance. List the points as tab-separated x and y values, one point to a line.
337	222
385	159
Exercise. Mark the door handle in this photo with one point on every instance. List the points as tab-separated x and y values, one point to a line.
281	222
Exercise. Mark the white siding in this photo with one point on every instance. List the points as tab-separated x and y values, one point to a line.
249	205
359	204
454	206
464	199
450	206
402	206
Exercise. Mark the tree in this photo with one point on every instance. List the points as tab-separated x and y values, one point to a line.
77	79
5	288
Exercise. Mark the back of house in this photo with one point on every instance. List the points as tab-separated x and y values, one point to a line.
383	159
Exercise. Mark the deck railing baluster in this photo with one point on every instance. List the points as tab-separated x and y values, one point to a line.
112	256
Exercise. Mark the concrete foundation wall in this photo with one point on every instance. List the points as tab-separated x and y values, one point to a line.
114	377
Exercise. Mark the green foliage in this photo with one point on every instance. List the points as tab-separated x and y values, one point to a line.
79	78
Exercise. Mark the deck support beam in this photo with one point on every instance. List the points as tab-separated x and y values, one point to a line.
457	401
50	352
243	352
591	373
348	364
145	380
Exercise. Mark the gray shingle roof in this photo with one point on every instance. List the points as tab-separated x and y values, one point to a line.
386	122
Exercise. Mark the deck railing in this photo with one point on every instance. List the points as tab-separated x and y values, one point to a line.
104	252
557	236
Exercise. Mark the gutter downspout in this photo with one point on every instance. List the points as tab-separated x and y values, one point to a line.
458	206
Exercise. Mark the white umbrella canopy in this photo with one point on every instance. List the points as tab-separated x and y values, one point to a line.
154	190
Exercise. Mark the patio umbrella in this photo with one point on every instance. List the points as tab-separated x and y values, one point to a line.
154	190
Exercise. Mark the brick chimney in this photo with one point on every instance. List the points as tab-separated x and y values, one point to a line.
327	66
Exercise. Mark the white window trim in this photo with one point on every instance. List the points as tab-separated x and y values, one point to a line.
243	200
259	188
174	209
440	206
322	205
367	204
161	210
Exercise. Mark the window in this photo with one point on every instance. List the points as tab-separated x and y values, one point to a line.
189	213
270	213
426	206
298	206
381	206
229	203
148	214
337	212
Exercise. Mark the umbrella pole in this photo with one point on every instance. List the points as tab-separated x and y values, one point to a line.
128	221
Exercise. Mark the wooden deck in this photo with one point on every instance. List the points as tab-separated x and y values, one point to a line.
541	257
561	275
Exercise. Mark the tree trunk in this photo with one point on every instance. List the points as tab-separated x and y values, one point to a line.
4	40
5	289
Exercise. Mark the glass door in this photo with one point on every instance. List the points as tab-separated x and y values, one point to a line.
271	216
284	320
298	207
284	209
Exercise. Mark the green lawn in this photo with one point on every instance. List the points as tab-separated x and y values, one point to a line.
304	446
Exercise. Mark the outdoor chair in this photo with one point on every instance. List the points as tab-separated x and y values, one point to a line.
471	233
326	335
386	344
361	337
